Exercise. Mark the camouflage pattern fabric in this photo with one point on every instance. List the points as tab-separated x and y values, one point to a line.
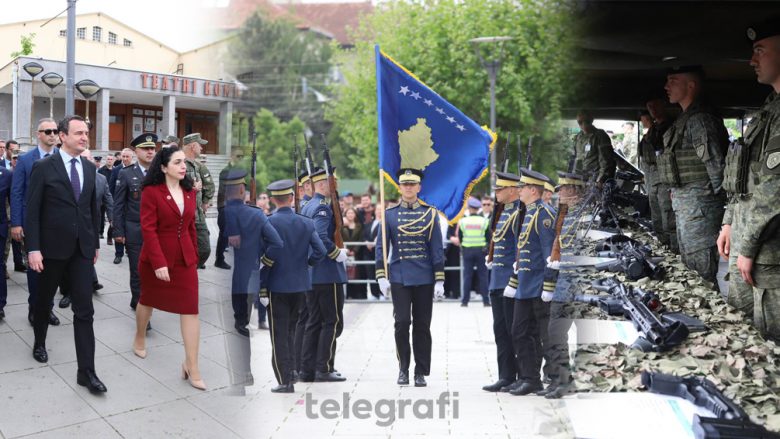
698	214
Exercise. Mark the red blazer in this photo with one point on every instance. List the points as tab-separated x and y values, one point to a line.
165	231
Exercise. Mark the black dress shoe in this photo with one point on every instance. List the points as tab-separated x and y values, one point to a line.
65	302
241	329
527	388
223	265
20	268
403	378
283	388
148	326
510	387
201	266
495	387
118	260
40	354
419	380
88	379
328	377
53	320
550	388
2	314
559	392
294	377
97	286
304	377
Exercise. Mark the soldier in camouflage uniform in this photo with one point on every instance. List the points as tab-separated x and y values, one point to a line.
650	147
204	185
749	238
593	149
692	164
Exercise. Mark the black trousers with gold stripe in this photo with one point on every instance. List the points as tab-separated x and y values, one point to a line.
283	316
413	306
325	304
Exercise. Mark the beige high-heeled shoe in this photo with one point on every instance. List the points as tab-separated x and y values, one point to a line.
140	353
185	374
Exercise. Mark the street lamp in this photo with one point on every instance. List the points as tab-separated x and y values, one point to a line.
52	80
33	69
491	60
87	88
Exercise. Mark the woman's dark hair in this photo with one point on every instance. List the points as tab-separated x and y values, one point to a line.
155	175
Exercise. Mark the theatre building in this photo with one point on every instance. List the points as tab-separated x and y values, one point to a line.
142	85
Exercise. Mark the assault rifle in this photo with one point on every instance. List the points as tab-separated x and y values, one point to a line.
498	208
730	421
295	176
632	258
334	195
612	304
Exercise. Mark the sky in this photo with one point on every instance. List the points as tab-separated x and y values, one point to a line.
174	23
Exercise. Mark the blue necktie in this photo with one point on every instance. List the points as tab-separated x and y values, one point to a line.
75	183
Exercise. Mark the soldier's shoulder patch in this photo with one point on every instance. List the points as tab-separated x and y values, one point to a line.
324	202
773	161
322	212
547	223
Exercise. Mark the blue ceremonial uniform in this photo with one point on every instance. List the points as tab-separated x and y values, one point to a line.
302	248
413	234
327	271
504	247
534	244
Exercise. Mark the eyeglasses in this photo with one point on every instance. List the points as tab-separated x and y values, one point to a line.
487	204
49	132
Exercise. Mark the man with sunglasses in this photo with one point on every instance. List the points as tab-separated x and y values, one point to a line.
236	156
593	149
48	136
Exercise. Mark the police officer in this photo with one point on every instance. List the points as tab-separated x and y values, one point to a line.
416	274
531	314
593	149
749	238
326	300
692	164
255	242
474	232
288	279
504	239
127	207
204	185
651	146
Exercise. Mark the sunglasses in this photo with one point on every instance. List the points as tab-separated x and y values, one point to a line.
487	205
49	132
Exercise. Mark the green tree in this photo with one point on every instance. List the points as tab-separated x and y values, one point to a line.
27	44
431	39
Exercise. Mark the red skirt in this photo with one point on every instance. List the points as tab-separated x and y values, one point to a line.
179	296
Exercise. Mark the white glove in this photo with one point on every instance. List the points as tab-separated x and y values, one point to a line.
384	285
342	255
547	296
510	292
264	301
514	267
438	290
555	265
488	264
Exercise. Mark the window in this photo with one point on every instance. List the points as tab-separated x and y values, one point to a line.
111	38
81	33
97	33
128	43
64	33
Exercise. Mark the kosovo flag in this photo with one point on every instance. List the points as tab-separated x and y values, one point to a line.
419	129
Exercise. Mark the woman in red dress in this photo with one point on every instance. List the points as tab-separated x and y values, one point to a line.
169	256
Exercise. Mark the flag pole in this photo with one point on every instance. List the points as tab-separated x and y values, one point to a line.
384	226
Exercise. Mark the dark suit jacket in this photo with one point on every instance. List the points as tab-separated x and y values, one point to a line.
166	232
5	163
103	195
21	180
57	224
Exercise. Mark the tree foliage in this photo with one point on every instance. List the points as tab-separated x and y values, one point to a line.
26	41
431	39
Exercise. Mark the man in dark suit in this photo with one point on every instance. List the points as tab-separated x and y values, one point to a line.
47	139
127	161
127	207
5	162
105	203
62	240
105	171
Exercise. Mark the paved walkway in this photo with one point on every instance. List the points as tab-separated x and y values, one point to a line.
148	399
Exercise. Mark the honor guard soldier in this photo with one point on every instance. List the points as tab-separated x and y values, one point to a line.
749	238
204	186
474	232
127	207
593	149
255	243
692	164
504	252
288	279
549	191
416	274
326	300
531	314
304	194
305	191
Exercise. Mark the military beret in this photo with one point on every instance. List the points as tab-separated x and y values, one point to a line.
765	29
506	179
234	177
695	69
528	176
474	203
409	175
192	138
281	187
146	140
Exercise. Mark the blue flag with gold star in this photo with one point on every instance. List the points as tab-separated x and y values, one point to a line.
420	129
